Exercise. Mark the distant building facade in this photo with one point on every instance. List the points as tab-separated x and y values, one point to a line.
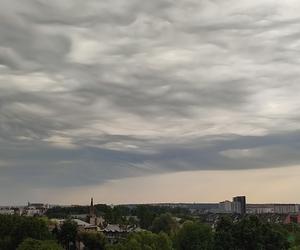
225	206
273	208
292	218
93	219
239	204
7	211
115	232
35	209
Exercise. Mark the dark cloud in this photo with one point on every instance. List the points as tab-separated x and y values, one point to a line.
99	90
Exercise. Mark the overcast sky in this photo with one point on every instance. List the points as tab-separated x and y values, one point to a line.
147	101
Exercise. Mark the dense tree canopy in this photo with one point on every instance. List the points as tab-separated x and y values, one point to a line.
164	223
31	244
93	240
68	233
145	241
114	215
224	238
194	236
14	229
248	234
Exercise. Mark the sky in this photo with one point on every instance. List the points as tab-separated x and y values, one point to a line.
131	101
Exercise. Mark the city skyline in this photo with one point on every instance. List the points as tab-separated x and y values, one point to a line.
125	191
158	101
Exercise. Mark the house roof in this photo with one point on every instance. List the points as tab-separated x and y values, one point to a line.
77	221
81	223
113	228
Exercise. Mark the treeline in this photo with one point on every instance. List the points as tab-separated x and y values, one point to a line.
165	233
249	233
117	214
15	229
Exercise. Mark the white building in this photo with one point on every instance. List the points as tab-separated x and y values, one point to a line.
7	211
32	211
273	208
236	207
225	206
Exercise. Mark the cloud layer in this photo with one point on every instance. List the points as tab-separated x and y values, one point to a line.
98	90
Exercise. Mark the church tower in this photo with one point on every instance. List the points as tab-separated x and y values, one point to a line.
92	214
92	209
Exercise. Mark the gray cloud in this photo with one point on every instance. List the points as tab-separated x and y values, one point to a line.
93	91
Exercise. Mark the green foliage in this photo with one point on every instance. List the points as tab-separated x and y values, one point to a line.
68	233
65	212
7	243
163	242
116	215
118	246
31	244
144	241
293	235
224	236
132	221
93	240
295	248
14	229
164	223
147	213
146	216
194	236
248	234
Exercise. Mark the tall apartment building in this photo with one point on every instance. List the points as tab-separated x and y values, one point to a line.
239	204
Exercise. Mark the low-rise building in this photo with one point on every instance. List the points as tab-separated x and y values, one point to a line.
7	211
35	209
82	225
272	208
225	206
114	232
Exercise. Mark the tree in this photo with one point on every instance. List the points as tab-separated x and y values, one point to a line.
146	216
164	223
132	221
292	232
14	229
144	241
194	236
50	245
6	243
118	246
31	244
93	240
251	233
224	238
163	242
68	233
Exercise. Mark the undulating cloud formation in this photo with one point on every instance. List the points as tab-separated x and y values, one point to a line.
94	91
